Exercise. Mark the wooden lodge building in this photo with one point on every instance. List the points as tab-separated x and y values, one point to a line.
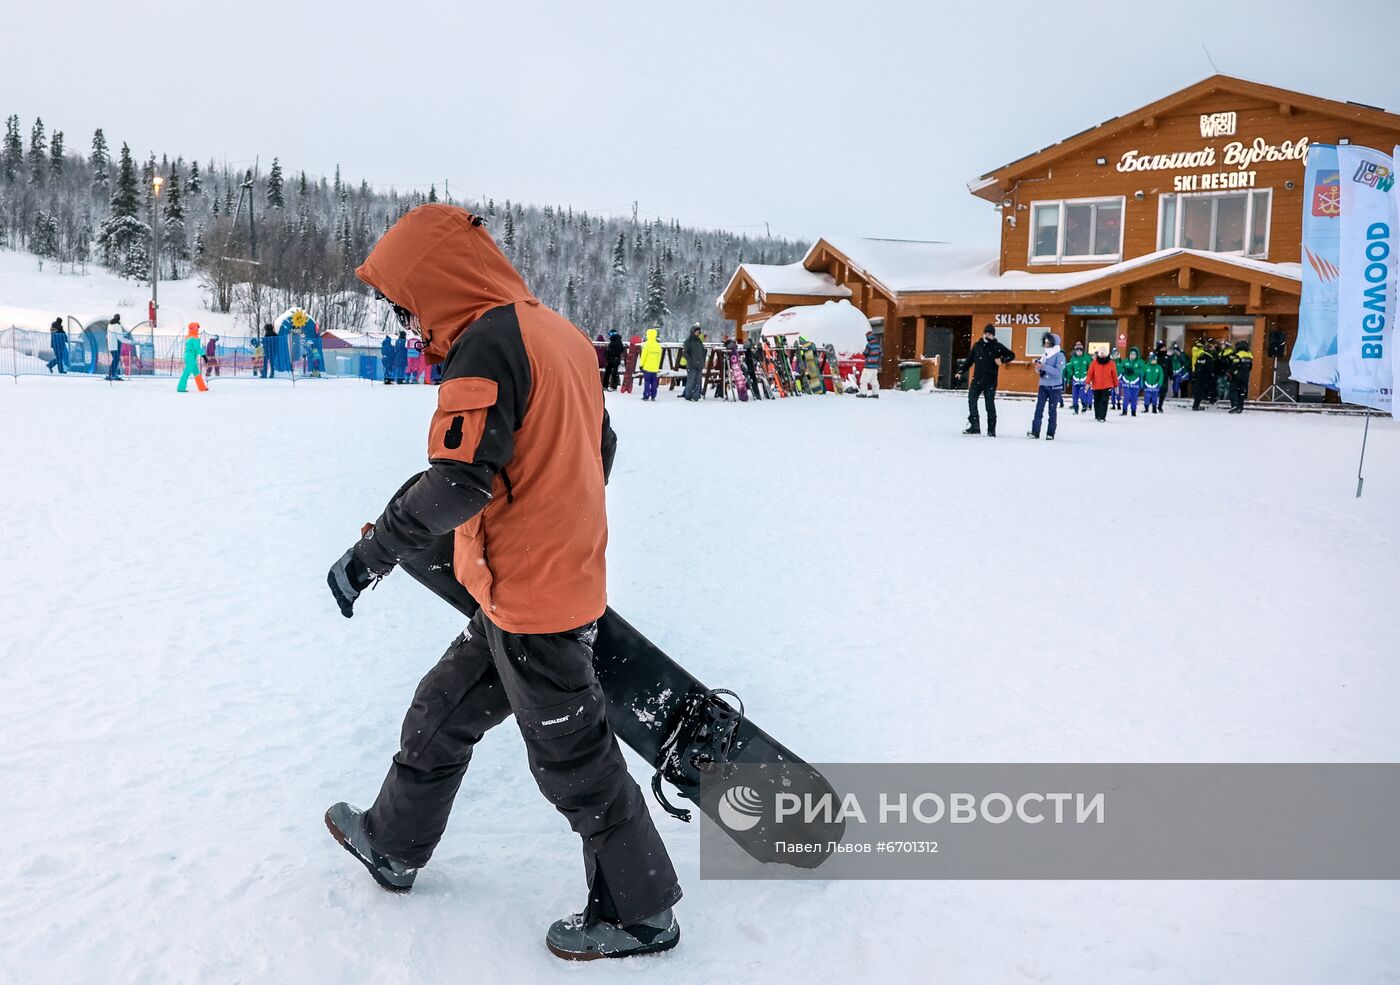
1180	219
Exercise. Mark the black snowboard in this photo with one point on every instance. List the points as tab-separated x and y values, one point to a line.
677	724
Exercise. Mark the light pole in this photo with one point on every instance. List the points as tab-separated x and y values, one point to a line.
156	182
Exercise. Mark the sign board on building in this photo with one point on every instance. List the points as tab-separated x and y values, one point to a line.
1090	309
1189	300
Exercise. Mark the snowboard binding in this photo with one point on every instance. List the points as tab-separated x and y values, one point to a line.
702	738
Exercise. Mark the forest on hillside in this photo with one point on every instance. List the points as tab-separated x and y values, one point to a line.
266	239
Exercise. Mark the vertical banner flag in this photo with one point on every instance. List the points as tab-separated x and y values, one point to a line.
1315	353
1366	299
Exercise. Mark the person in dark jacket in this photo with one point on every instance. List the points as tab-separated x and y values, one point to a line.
269	351
1178	367
694	353
386	358
615	350
986	358
519	451
58	341
1241	365
1202	373
401	359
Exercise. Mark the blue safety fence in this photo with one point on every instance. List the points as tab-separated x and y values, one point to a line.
86	350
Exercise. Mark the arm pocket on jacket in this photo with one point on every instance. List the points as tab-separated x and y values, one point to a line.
460	419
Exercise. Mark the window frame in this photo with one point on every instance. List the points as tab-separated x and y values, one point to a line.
1179	214
1061	206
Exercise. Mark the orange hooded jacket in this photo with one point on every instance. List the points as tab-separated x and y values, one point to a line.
521	405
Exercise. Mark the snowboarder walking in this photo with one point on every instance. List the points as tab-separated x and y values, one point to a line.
58	341
613	363
117	333
651	365
1153	377
1078	368
1050	366
519	450
987	357
870	372
192	354
1103	380
694	353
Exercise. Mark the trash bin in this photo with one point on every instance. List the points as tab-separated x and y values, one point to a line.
910	371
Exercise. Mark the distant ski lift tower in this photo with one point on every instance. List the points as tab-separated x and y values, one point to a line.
245	190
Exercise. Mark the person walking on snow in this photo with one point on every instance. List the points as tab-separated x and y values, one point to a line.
650	362
1102	380
58	341
386	358
1078	369
117	333
1241	365
519	450
694	354
1050	366
1202	374
987	357
615	351
1153	377
1130	381
211	356
870	371
192	354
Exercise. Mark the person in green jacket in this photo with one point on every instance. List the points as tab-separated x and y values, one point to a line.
1130	379
1153	376
1078	370
192	360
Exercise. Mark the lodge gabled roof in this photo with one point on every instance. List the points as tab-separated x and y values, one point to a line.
990	185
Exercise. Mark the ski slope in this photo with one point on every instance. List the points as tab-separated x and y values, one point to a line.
182	700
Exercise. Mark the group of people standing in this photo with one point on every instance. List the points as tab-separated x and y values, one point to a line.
402	360
1105	380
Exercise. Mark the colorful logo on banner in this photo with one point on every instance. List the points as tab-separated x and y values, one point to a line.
1374	175
1327	194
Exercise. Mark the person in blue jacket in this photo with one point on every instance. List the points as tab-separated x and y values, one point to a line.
386	356
58	341
1051	367
401	358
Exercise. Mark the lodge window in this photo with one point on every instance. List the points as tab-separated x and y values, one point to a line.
1077	230
1224	222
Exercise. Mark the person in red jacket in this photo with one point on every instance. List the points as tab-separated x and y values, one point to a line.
1103	380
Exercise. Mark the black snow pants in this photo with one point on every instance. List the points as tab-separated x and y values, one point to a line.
611	374
987	390
1101	404
549	684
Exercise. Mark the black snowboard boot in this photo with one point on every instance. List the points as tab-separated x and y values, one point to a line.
574	940
1032	434
347	826
972	429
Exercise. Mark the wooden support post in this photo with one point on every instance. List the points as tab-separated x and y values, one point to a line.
1183	277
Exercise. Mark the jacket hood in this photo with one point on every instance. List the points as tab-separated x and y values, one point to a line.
440	263
1134	353
1054	339
651	335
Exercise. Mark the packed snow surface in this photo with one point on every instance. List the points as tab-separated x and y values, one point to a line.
181	699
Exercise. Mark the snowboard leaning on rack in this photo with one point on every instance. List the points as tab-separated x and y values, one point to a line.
678	725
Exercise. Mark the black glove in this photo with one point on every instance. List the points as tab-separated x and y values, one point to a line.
347	578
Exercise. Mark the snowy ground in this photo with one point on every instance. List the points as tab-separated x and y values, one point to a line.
181	699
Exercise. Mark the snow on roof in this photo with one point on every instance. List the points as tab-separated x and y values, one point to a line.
836	323
916	266
792	278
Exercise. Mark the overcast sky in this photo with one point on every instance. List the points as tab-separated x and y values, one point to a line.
859	117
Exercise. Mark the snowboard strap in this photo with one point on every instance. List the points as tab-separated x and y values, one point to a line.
703	737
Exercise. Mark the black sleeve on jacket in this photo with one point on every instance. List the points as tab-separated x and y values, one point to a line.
490	362
609	447
1003	353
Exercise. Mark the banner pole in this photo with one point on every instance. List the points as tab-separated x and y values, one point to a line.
1364	435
